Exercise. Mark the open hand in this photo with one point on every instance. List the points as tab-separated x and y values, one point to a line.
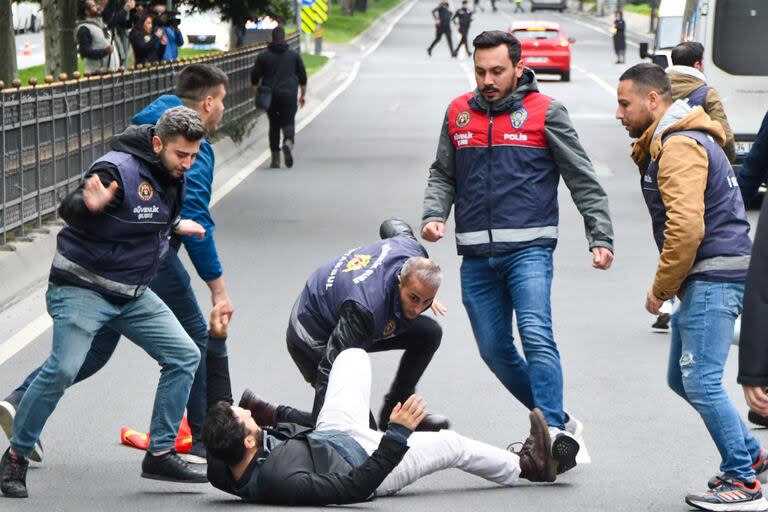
437	308
189	227
95	195
410	413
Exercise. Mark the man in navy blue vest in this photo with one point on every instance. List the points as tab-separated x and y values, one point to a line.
119	223
202	88
502	151
702	234
370	297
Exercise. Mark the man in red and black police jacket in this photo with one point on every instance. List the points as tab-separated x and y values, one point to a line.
502	151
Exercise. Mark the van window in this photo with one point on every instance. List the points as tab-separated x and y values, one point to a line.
741	37
668	32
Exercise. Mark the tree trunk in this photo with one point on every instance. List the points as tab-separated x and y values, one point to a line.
347	7
68	47
60	48
7	44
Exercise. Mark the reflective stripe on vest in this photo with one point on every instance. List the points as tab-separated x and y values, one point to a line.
62	263
506	235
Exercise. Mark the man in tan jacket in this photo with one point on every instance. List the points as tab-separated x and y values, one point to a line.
702	233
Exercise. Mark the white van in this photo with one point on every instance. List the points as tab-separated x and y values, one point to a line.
735	38
669	27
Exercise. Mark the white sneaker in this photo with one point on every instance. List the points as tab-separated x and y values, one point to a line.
574	426
565	448
7	413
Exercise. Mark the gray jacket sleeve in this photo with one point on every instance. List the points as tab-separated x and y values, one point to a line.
579	176
441	184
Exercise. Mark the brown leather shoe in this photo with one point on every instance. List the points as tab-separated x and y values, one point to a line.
536	461
263	412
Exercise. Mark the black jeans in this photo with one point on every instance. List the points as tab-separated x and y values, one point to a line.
420	342
439	31
463	42
282	116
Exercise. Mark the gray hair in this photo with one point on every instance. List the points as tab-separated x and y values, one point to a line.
424	269
180	121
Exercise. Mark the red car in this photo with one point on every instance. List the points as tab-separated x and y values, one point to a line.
546	49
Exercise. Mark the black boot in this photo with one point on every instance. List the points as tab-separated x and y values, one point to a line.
430	423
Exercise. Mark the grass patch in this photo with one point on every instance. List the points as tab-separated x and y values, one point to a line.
186	53
342	29
313	63
39	73
638	8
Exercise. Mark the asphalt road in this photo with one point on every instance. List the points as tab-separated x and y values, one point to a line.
365	158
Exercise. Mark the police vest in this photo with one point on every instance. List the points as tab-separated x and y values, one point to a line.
724	252
365	275
698	97
506	177
120	251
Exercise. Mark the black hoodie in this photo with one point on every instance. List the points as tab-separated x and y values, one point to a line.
280	68
137	141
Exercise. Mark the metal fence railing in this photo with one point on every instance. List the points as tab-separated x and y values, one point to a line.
50	133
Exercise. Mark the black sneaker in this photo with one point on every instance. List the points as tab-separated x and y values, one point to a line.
565	448
170	468
7	414
197	453
288	153
757	419
13	469
662	323
730	494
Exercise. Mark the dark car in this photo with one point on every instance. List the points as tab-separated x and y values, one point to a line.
556	5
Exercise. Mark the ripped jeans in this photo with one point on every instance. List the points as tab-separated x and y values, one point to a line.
702	329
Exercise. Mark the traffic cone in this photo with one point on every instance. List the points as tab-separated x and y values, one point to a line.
27	52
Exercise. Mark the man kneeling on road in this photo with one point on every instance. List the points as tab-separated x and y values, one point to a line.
119	222
342	460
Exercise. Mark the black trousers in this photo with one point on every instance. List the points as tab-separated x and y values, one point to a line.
419	343
439	31
463	42
282	116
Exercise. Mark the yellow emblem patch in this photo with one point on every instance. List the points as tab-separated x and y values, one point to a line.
146	191
357	262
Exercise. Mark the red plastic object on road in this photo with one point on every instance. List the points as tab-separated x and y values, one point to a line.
140	440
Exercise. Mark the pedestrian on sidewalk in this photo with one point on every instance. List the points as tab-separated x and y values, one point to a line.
94	40
342	460
463	19
618	30
119	221
518	7
278	73
202	88
526	141
442	15
372	298
702	234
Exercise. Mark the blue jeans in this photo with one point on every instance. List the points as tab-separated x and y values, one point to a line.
519	283
702	329
172	285
78	314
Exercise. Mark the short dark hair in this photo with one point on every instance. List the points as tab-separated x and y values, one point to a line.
687	53
649	77
223	434
197	81
278	34
494	38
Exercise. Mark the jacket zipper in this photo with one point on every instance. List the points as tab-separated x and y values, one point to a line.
488	179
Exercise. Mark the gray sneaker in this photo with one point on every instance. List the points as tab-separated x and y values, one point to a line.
7	413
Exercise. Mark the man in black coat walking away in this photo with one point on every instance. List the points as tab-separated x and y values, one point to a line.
442	14
463	18
281	71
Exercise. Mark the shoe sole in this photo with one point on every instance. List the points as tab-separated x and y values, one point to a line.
287	156
7	414
564	450
539	424
660	329
152	476
760	505
12	495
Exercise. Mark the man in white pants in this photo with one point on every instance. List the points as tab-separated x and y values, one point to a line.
344	461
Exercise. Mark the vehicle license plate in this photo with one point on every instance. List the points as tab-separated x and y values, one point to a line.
742	148
536	59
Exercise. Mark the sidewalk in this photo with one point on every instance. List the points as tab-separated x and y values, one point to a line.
24	268
637	24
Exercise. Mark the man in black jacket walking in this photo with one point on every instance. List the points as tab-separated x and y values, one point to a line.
343	461
282	71
442	14
463	18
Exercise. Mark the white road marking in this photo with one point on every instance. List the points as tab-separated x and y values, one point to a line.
24	337
599	81
470	75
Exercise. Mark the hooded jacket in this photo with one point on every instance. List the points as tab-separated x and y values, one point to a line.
199	184
117	250
541	147
280	68
685	81
693	200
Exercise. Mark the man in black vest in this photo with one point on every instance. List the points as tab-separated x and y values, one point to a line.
442	15
282	70
702	233
463	18
119	223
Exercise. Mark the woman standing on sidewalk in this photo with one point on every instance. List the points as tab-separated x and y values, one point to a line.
619	40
